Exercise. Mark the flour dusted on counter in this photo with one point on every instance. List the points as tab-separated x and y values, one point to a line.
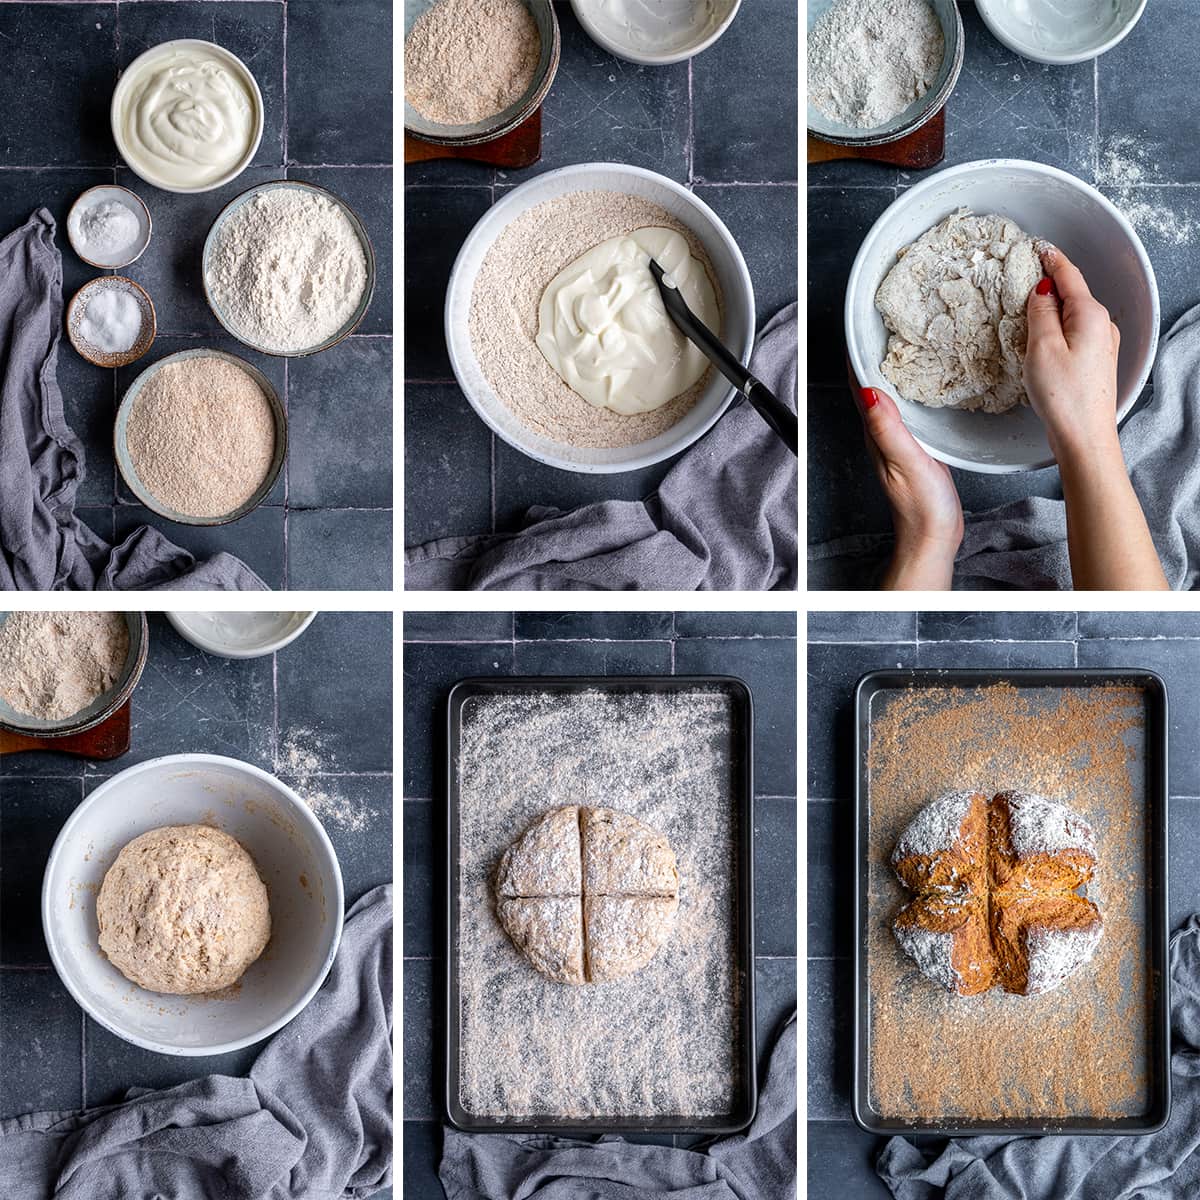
868	60
287	270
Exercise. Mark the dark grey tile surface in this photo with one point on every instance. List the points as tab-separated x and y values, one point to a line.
701	123
1101	121
862	627
841	1162
57	145
830	1023
342	548
995	654
996	626
443	648
1139	625
340	427
1184	853
340	81
831	878
330	690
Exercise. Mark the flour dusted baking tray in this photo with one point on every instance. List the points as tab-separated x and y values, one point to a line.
670	1048
1092	1056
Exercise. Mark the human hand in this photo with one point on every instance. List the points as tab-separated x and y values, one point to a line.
926	512
1071	361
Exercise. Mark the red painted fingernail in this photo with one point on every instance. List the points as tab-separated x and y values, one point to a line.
870	397
1045	287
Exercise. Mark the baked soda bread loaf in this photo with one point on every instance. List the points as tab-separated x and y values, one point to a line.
588	895
996	886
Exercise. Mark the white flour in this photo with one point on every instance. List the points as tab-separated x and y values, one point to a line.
288	270
868	60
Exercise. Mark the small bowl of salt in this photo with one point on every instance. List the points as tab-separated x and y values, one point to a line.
111	321
109	227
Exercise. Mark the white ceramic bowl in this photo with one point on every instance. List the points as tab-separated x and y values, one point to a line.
236	65
293	856
737	316
111	192
1050	31
1049	204
240	634
681	42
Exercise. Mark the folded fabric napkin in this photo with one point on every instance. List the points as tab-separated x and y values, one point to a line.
1159	1166
724	517
312	1122
43	544
759	1164
1024	544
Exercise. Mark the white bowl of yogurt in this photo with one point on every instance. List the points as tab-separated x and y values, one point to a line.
187	116
655	33
240	634
1060	32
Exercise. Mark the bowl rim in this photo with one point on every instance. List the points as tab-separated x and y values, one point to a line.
908	196
111	361
514	201
131	677
260	117
356	223
520	114
121	421
176	617
110	187
306	816
1025	50
645	58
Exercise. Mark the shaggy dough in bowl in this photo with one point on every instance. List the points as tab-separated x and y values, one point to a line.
182	910
954	305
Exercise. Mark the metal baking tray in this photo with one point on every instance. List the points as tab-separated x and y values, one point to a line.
1157	930
743	795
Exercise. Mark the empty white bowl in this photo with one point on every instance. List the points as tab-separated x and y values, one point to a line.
674	33
294	858
737	314
240	634
1051	31
1046	203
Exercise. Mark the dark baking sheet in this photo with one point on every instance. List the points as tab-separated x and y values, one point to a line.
1157	931
744	797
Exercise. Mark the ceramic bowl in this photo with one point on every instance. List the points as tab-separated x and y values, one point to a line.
919	111
491	128
1047	203
235	64
249	634
125	459
103	706
132	201
78	306
293	855
1050	32
679	43
737	317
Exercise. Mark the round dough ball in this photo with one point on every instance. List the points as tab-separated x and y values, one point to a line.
182	910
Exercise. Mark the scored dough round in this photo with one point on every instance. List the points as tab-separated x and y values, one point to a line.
182	910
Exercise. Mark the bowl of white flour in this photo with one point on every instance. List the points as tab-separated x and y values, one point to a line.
292	855
879	69
62	673
1047	204
492	315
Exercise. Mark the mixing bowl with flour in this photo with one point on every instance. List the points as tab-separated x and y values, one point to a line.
292	854
1049	204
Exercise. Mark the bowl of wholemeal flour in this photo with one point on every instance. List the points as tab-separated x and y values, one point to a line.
201	437
289	851
288	268
494	304
65	672
476	69
880	69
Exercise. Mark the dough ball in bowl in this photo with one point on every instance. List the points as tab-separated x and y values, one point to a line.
1047	204
183	911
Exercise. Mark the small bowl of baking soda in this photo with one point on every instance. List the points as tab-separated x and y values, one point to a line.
109	227
111	321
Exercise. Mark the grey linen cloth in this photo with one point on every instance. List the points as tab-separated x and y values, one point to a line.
1024	544
43	544
312	1121
724	517
759	1164
1159	1166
